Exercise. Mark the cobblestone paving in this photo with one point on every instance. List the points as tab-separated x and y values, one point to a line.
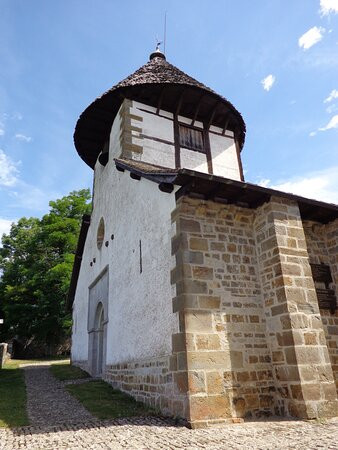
48	403
60	422
155	434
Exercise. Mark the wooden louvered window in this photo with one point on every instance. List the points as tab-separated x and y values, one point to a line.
191	138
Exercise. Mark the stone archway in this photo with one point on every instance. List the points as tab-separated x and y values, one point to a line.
98	348
97	325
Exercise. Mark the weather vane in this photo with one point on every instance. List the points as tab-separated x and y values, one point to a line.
158	43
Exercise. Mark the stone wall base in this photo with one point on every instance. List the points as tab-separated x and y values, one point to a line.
81	364
150	381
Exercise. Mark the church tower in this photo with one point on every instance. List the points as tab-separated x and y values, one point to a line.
204	296
161	116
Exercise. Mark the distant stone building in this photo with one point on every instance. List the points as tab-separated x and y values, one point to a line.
200	294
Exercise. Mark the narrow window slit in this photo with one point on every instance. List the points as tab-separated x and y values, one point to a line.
140	256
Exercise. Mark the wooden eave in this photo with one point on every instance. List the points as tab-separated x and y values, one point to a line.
227	191
78	259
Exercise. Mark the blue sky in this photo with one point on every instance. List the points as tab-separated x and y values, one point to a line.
276	61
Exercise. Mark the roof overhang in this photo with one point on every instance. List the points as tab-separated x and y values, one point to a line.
227	191
78	259
161	85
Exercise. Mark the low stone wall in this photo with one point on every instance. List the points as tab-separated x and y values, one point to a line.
152	382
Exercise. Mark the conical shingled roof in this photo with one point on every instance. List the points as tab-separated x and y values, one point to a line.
156	80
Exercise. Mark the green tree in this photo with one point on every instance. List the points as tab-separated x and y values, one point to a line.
36	261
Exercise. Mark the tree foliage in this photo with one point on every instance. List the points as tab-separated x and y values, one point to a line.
36	261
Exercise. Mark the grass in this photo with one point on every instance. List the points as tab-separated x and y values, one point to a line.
13	392
12	395
104	402
65	371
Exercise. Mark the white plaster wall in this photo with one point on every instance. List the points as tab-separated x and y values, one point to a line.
224	156
223	149
194	160
141	321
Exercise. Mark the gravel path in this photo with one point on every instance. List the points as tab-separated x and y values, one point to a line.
60	422
48	403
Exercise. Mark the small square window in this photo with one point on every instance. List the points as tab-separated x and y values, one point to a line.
191	138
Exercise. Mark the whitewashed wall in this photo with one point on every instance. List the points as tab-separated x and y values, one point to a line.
140	315
223	149
140	309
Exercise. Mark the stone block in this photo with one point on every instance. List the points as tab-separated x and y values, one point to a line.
309	355
182	361
236	359
243	377
188	225
329	391
181	381
328	409
208	408
217	246
239	406
266	401
185	301
215	383
198	244
277	357
191	287
197	383
310	338
298	409
311	392
178	342
290	355
252	401
208	342
198	321
296	391
202	273
209	360
209	301
179	241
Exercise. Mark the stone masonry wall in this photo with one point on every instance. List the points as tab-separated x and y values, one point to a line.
222	339
322	245
151	382
300	358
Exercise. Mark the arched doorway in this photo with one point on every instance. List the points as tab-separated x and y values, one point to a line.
98	349
98	325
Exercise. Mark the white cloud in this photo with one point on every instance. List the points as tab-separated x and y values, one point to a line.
22	137
268	82
311	37
31	197
332	96
5	226
328	6
320	185
331	108
333	123
2	131
313	133
8	170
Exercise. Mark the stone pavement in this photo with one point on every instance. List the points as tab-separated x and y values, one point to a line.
156	434
60	422
48	403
